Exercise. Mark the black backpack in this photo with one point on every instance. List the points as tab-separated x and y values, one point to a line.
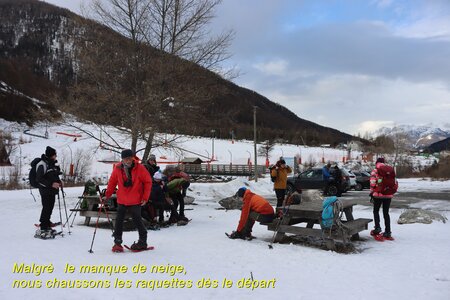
32	175
273	178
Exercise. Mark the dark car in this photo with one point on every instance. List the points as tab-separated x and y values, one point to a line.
313	179
362	180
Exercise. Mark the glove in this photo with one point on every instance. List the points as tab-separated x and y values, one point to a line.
235	235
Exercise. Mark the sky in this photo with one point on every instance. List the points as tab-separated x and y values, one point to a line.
351	65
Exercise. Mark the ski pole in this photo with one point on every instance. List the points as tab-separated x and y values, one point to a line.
285	212
78	206
95	230
65	209
60	215
102	203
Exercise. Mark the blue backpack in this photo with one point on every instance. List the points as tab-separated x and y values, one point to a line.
327	212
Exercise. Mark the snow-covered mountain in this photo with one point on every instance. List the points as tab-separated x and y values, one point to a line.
419	136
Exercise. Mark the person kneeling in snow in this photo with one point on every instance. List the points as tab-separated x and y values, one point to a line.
255	208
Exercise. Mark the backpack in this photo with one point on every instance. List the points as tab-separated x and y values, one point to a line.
327	212
388	184
273	178
32	174
90	188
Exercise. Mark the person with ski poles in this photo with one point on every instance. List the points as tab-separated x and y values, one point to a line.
134	187
48	181
255	208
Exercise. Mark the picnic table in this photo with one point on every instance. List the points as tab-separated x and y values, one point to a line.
89	208
311	214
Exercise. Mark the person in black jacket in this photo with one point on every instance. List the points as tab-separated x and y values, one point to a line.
47	177
151	165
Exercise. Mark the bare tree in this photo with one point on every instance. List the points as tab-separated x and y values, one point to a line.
266	148
137	87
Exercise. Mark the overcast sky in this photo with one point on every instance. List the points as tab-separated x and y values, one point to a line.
353	65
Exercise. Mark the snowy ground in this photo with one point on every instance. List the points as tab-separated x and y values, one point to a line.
415	266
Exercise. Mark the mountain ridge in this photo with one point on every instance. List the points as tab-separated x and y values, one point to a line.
41	36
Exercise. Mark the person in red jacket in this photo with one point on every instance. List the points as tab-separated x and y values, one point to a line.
379	199
255	208
134	183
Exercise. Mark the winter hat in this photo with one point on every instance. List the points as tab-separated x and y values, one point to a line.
282	162
152	157
127	153
157	176
241	192
380	160
49	151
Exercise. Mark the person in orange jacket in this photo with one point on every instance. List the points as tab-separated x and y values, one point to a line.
134	183
255	208
280	172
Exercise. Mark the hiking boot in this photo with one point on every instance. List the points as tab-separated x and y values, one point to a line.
182	223
376	231
140	245
183	218
387	235
117	248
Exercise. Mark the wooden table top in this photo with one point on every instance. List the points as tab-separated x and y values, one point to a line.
316	206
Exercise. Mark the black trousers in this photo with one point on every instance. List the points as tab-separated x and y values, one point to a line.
135	211
178	199
280	193
48	202
386	203
252	217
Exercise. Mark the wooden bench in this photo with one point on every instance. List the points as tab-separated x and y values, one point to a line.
92	211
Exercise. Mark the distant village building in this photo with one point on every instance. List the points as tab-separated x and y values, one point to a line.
355	145
191	160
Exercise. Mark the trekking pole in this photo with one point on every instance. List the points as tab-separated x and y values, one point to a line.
95	230
77	207
60	215
65	209
102	203
285	212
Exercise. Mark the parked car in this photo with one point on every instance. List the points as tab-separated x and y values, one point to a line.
313	179
362	180
352	179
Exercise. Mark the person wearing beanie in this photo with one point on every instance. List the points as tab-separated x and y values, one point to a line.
280	172
151	165
134	186
383	185
255	208
48	182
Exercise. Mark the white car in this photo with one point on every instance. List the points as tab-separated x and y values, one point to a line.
352	178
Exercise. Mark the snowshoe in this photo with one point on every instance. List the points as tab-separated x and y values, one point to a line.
144	249
388	236
117	248
45	234
139	246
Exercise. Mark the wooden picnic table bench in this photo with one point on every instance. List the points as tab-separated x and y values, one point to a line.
90	209
311	214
